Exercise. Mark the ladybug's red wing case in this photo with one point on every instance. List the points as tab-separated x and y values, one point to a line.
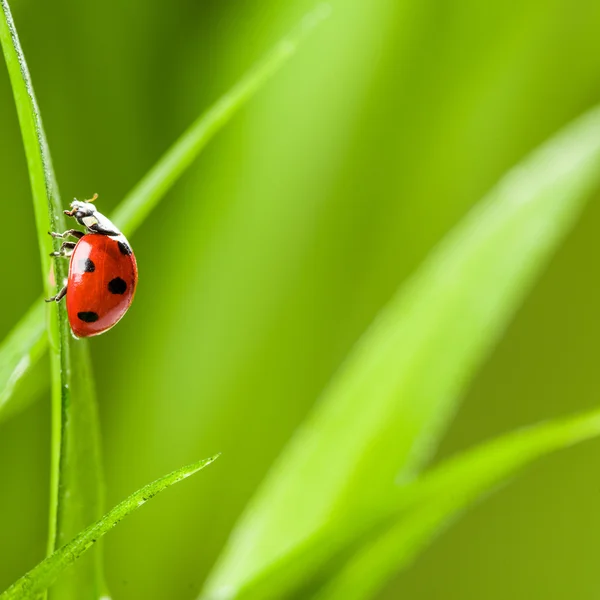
102	280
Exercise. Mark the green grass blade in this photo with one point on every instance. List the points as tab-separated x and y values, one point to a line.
47	205
81	490
48	215
384	413
137	205
21	351
441	495
156	183
76	489
45	573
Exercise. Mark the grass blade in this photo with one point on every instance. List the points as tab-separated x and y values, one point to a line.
156	183
46	572
47	205
384	413
81	490
427	505
21	350
137	205
76	489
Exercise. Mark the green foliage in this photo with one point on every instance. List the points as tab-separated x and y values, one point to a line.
26	344
156	183
269	261
21	350
44	574
384	413
425	506
76	480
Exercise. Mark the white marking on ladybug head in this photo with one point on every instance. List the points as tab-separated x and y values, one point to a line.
89	221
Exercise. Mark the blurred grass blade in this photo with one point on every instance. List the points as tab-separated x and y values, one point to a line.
45	573
76	489
20	351
156	183
430	503
384	413
27	341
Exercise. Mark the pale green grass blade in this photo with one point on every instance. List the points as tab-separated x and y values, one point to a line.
76	489
44	574
156	183
428	505
137	205
20	351
384	413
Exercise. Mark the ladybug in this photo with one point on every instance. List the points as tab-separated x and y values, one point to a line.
102	272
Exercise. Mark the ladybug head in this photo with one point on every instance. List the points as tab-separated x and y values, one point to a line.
86	214
80	209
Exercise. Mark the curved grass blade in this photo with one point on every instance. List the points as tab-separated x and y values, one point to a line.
384	413
76	489
137	205
45	573
427	506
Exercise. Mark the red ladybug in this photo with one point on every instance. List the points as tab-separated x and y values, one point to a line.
102	272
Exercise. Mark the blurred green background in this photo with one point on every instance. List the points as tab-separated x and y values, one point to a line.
275	251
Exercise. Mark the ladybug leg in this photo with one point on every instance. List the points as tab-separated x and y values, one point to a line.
70	232
65	250
58	296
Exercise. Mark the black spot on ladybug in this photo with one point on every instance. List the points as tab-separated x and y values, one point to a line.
124	248
117	286
88	317
86	266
